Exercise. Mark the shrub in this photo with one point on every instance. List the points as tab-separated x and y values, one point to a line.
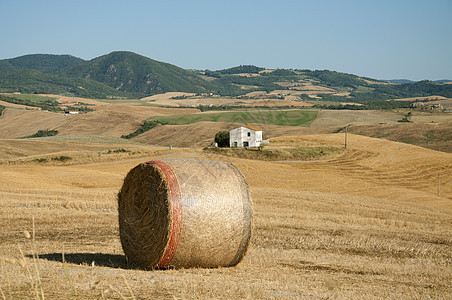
41	160
406	118
43	133
222	138
62	158
119	150
147	125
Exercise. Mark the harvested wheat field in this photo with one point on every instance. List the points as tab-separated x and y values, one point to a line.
15	123
433	135
167	99
347	117
108	120
369	222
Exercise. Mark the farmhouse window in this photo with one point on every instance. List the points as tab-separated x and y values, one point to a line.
249	133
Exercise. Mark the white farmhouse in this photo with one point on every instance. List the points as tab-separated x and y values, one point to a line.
71	112
245	136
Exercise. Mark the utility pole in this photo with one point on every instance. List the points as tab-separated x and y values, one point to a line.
438	184
346	136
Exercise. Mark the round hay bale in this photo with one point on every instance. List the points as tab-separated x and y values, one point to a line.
184	213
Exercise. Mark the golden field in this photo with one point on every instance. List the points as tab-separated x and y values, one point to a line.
374	221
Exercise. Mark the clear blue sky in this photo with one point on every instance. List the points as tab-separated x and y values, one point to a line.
381	39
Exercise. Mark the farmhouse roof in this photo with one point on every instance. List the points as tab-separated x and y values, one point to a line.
253	128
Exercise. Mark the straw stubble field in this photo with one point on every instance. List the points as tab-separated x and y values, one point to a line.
368	223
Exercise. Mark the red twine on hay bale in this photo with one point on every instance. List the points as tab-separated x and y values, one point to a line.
177	211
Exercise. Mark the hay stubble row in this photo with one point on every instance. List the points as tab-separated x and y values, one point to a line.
366	224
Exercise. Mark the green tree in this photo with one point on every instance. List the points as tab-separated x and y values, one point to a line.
222	138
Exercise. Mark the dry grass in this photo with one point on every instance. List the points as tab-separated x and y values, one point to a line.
346	117
436	136
365	224
166	96
202	134
15	123
192	100
88	149
13	105
61	99
262	99
278	151
109	120
288	101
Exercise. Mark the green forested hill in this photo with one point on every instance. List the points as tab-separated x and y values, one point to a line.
118	74
39	73
132	73
31	81
6	66
347	87
44	63
127	74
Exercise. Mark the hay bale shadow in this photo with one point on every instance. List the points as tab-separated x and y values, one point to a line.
100	259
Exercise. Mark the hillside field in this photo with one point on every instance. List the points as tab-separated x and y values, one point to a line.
115	118
367	223
278	117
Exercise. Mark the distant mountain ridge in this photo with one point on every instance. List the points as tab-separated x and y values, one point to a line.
400	81
44	63
118	74
403	81
130	75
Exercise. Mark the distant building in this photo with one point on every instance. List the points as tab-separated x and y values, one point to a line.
245	136
71	112
69	102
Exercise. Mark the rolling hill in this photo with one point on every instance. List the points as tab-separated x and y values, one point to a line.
130	75
32	81
118	74
136	74
44	63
